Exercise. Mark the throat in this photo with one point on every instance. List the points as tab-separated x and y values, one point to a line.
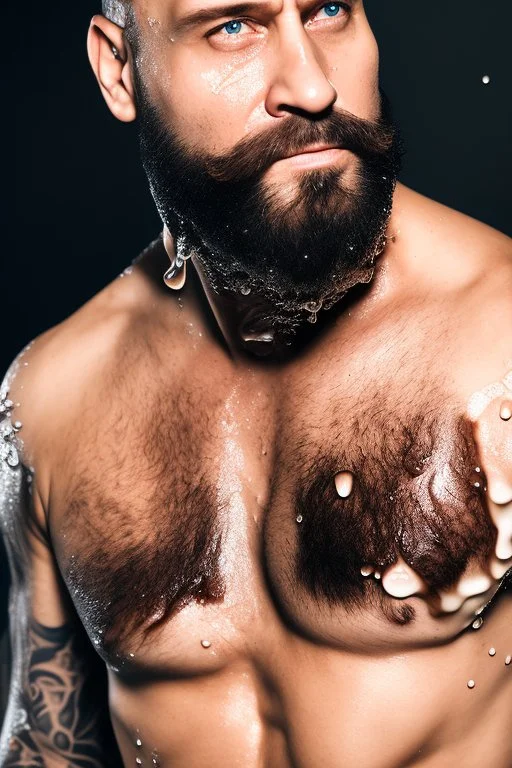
265	325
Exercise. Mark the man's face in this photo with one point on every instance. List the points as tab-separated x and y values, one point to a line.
230	99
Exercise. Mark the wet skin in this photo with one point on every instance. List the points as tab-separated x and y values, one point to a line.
196	527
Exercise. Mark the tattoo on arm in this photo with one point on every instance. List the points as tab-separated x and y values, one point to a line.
65	705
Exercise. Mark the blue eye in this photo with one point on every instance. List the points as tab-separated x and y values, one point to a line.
233	27
332	9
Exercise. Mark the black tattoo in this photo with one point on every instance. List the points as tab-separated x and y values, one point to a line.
65	705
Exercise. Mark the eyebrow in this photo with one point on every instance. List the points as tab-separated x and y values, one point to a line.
218	11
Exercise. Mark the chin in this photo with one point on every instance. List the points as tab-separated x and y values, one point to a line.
325	193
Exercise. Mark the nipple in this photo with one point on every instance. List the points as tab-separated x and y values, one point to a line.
344	482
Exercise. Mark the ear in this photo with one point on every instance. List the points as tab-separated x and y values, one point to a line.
108	54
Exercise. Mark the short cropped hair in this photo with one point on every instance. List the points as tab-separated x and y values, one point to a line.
116	10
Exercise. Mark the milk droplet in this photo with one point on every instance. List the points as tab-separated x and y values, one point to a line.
401	581
505	411
344	482
508	661
366	570
471	684
492	651
477	623
205	643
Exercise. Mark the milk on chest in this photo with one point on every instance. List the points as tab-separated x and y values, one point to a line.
385	524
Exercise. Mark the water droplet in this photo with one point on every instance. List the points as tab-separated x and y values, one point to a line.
378	575
506	411
245	290
18	425
205	643
132	655
471	684
138	761
299	518
478	479
508	661
366	570
486	79
312	318
477	623
313	306
344	482
492	651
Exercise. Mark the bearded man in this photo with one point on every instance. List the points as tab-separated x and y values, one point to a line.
271	497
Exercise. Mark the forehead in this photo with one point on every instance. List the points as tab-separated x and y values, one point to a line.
177	7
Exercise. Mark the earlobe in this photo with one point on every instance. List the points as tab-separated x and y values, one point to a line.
109	59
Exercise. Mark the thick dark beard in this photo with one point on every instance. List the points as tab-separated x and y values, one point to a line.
293	253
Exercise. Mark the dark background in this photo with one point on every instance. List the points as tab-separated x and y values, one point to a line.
78	205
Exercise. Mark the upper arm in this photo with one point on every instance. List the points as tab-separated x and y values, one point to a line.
56	712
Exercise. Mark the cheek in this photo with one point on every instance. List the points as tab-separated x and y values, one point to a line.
355	75
211	107
238	83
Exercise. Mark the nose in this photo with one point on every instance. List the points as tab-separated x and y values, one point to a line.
299	83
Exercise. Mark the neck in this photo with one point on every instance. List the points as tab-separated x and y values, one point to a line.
251	323
255	325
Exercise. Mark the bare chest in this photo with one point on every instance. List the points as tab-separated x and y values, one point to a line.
327	512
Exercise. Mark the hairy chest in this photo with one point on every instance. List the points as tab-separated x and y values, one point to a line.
354	506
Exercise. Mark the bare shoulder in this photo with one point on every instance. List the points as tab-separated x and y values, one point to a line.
440	227
467	256
466	267
77	367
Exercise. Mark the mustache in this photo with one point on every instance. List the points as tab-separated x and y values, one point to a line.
253	155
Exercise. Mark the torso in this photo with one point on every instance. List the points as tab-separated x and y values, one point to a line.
235	594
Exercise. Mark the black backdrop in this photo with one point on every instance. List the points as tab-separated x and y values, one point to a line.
78	205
